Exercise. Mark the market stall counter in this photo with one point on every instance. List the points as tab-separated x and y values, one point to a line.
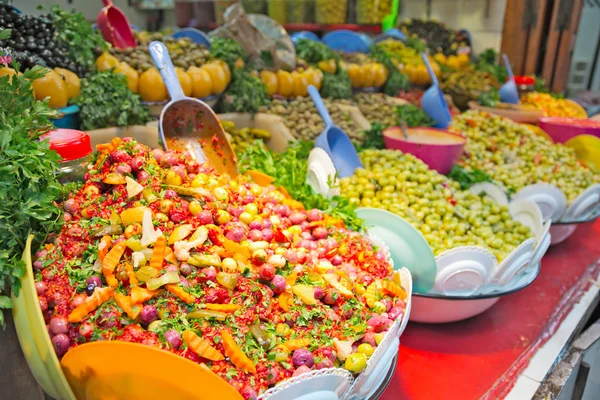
482	357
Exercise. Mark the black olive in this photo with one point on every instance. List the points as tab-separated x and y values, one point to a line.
89	290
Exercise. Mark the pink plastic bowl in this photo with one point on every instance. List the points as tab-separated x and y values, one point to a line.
563	129
437	148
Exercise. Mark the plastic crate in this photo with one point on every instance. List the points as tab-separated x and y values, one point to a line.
255	6
331	11
371	11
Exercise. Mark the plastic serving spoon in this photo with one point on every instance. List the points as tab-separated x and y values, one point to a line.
508	92
190	124
433	102
115	26
334	141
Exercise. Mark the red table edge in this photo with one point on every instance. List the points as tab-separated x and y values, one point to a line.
505	383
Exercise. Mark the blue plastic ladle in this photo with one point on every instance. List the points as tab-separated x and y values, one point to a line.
433	102
508	92
334	141
190	124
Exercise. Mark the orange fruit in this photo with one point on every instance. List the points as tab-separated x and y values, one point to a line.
411	71
133	78
270	80
106	62
355	72
423	75
239	63
217	77
285	83
51	85
185	80
71	81
4	71
368	74
151	86
201	82
381	75
314	76
327	66
226	69
300	84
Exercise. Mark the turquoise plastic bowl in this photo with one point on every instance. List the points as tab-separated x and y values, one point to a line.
407	246
70	119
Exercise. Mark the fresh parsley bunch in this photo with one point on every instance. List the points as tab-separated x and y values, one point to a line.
336	86
78	36
28	187
289	170
228	50
106	101
245	94
313	52
413	115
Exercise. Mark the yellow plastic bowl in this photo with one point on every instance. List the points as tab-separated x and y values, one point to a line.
539	131
120	370
587	149
33	336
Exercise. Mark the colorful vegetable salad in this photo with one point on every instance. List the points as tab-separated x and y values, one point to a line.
160	250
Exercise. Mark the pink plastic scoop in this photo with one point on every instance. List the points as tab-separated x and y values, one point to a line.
115	26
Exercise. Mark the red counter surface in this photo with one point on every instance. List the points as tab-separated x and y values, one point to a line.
482	357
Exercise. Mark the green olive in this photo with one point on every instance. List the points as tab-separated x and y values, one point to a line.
356	362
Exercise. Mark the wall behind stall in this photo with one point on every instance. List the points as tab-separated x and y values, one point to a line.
91	8
483	18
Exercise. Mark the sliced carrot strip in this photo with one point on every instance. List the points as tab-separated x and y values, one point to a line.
170	256
337	285
140	295
235	354
131	274
114	179
111	260
291	278
392	289
125	302
285	299
180	293
103	247
372	294
158	254
201	346
295	344
222	307
99	296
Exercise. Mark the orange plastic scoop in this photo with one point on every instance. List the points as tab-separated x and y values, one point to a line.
121	370
262	179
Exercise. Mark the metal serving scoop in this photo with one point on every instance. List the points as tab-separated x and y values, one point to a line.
189	124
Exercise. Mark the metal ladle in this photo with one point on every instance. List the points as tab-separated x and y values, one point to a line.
190	124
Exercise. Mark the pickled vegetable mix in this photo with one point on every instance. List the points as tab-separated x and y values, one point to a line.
515	157
158	249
